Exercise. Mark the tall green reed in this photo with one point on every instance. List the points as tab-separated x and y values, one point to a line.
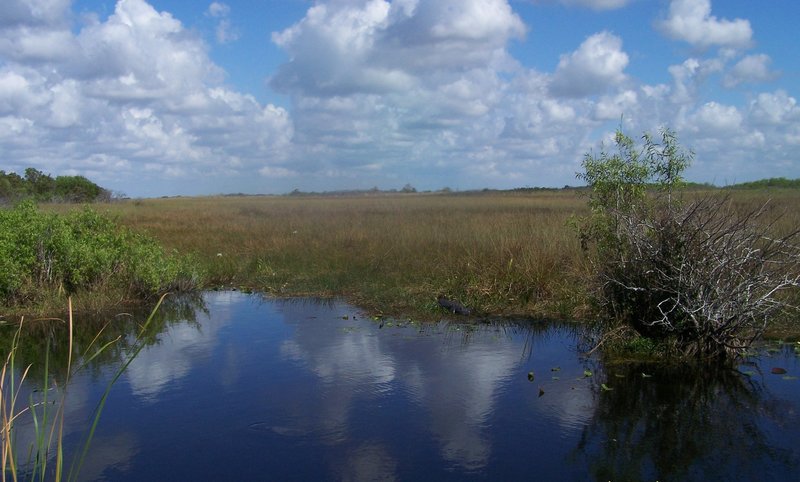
47	414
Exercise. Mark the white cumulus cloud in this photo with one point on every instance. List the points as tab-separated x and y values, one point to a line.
775	108
692	22
690	75
378	92
391	87
750	69
715	119
126	97
595	67
224	31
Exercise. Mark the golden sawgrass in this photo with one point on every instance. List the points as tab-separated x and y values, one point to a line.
498	252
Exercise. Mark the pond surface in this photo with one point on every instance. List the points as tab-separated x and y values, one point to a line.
257	389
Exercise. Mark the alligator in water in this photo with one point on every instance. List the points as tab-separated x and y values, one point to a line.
453	306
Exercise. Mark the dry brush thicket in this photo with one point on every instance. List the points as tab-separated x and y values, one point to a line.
701	275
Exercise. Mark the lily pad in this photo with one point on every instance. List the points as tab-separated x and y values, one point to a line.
789	377
587	373
778	371
605	387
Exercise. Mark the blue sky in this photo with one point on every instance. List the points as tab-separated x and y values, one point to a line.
173	97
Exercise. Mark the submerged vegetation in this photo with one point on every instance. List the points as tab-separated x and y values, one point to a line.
45	257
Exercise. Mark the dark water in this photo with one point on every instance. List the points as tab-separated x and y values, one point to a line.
253	389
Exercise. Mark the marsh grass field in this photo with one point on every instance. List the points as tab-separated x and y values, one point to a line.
500	253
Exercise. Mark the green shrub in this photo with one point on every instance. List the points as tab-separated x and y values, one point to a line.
82	251
151	270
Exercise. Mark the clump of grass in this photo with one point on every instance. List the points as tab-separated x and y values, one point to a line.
47	414
46	256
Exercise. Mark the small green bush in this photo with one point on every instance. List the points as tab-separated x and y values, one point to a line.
82	251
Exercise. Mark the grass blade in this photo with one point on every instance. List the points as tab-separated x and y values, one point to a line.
139	345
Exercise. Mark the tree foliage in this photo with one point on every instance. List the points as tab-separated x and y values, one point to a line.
697	274
42	187
773	182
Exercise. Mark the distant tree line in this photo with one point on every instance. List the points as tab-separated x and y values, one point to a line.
407	189
779	182
775	182
42	187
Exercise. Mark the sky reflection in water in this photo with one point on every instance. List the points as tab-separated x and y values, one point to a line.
276	390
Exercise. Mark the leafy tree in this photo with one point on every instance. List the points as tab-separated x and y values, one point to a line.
42	187
619	182
12	186
39	184
77	189
6	190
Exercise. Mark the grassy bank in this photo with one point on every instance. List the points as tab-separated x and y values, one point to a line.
497	252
